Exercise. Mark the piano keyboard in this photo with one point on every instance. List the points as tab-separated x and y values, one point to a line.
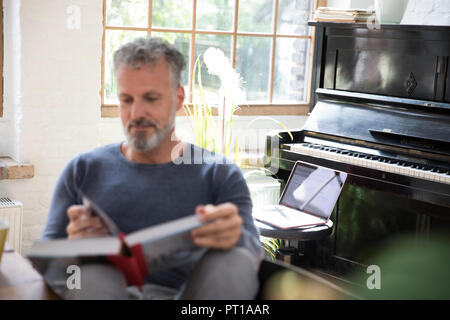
372	161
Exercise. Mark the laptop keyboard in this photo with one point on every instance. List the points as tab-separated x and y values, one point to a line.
285	217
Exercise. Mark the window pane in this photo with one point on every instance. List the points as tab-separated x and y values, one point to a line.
215	15
291	70
211	83
114	39
182	41
255	16
172	14
129	13
293	16
252	63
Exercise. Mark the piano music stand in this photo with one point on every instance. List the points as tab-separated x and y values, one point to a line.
307	236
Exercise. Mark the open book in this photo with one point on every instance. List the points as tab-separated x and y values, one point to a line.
137	254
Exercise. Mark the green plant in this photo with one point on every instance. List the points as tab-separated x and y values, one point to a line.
270	246
212	132
215	133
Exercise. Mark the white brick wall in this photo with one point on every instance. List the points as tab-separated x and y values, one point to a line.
430	12
52	84
51	98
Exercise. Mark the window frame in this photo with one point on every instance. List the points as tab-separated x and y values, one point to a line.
112	110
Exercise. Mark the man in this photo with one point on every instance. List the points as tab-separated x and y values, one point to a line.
141	182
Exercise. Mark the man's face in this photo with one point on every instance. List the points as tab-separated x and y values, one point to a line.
148	104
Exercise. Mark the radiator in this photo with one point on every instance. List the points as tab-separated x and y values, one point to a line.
11	211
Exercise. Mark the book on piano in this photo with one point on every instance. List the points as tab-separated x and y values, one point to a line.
136	254
308	198
329	14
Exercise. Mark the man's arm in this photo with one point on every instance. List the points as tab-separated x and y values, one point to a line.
64	195
66	217
232	212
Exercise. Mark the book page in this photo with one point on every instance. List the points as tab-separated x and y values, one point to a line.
170	252
97	246
169	244
163	230
283	217
96	211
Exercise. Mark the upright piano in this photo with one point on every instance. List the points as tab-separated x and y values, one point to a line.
380	111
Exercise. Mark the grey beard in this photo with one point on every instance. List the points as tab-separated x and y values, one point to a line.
140	142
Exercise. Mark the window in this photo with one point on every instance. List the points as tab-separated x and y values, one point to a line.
267	41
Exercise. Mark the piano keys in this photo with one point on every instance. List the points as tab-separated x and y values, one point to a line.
402	146
370	159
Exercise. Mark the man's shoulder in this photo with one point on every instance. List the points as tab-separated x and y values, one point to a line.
209	158
99	154
221	167
106	150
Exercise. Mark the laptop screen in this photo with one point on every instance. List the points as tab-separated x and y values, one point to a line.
313	189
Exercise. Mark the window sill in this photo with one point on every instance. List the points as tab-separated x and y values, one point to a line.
12	170
112	111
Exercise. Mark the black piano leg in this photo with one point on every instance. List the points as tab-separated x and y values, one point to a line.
306	253
298	253
286	252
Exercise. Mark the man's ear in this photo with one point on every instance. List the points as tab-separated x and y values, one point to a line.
180	97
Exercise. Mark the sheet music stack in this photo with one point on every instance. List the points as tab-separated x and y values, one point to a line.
343	15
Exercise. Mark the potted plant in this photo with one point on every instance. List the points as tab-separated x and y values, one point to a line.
212	130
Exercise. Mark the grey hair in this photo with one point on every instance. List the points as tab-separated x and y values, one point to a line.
148	51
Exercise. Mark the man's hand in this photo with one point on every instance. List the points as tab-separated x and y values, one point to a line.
83	225
224	232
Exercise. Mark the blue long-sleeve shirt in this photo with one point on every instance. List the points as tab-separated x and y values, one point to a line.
137	195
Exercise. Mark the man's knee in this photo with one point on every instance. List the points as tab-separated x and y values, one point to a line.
230	274
235	259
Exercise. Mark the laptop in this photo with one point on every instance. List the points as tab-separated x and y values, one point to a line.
308	198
